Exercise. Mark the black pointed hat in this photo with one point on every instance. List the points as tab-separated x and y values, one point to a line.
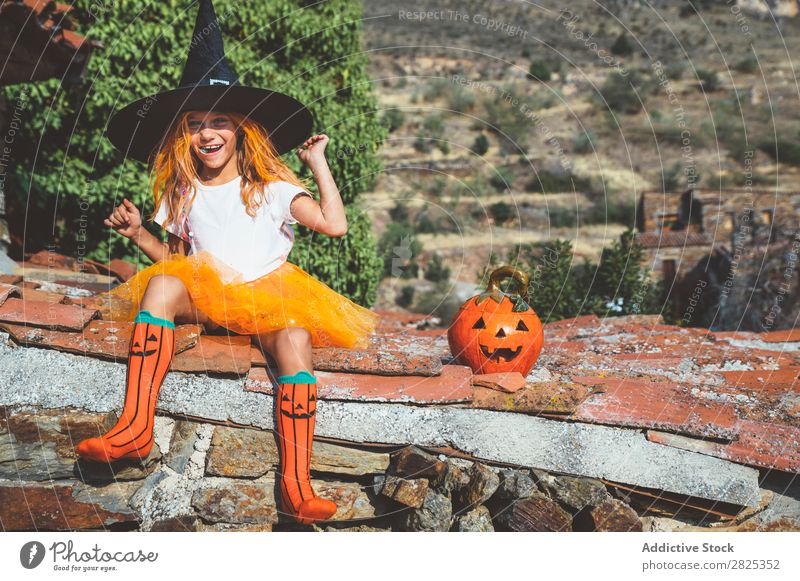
208	84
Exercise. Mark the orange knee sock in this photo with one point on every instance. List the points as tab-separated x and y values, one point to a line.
151	351
296	411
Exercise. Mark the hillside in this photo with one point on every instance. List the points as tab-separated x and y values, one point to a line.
681	100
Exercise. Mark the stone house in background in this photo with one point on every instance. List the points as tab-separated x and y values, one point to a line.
678	230
763	8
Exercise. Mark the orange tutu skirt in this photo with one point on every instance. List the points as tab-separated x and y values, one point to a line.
286	297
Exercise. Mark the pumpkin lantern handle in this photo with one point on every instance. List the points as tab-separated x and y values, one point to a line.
505	272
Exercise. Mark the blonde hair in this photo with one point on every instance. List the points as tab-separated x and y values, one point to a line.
174	166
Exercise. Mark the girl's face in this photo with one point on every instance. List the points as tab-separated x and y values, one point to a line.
213	138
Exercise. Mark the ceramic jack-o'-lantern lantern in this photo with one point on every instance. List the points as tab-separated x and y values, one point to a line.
496	331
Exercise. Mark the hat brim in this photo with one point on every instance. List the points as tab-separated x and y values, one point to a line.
138	129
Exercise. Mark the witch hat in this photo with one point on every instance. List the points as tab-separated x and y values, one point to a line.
208	84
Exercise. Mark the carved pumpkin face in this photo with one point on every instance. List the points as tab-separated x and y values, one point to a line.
495	332
500	352
304	405
139	351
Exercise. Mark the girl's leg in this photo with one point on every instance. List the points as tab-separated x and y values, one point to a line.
149	358
296	407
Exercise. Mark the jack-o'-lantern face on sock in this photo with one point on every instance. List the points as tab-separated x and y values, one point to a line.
302	406
150	347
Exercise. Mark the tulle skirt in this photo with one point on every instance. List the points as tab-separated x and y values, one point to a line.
285	297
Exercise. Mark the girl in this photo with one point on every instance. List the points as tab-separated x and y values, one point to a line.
228	201
286	311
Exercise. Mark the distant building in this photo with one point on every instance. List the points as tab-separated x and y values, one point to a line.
778	8
678	229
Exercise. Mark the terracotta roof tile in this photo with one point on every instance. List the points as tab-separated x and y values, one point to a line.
788	335
49	48
102	339
646	404
216	354
50	316
451	386
758	444
9	290
33	294
547	398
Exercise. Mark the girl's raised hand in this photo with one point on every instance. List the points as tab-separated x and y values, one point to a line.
125	219
313	149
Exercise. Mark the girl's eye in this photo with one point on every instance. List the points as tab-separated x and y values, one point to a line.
218	122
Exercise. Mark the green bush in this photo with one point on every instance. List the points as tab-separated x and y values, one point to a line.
437	271
460	99
549	182
67	177
785	151
481	145
675	69
422	143
432	133
436	186
611	212
501	212
558	288
622	94
393	119
622	286
399	213
622	46
435	89
709	80
674	178
562	217
584	142
748	64
424	224
406	296
509	115
502	178
539	71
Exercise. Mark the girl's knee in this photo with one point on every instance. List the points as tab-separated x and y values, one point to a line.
294	335
166	284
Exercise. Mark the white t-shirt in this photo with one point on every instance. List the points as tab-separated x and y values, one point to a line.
219	224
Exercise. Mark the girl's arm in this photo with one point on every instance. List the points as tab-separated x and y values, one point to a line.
153	247
327	216
126	220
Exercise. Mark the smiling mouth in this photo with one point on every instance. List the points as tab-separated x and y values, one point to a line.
210	148
501	352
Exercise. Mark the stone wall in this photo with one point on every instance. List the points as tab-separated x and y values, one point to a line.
209	477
